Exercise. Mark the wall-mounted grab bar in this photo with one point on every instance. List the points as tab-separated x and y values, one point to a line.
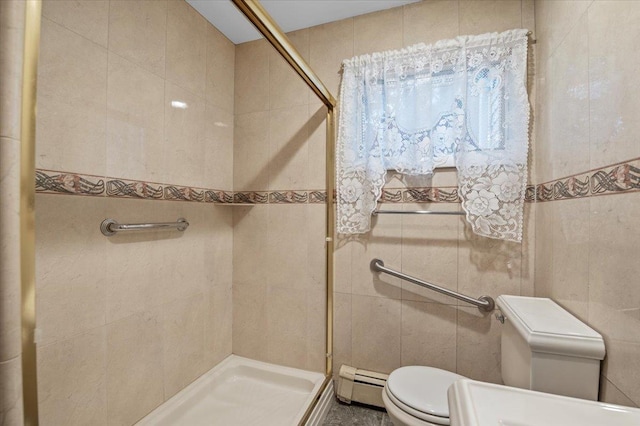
484	303
375	212
109	226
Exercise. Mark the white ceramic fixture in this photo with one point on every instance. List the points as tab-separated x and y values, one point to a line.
474	403
544	348
238	392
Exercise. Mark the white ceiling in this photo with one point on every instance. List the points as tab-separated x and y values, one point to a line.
291	15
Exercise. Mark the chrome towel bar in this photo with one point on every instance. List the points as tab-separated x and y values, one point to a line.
110	226
484	303
376	212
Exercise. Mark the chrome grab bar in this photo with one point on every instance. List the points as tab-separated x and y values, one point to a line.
484	303
376	212
109	227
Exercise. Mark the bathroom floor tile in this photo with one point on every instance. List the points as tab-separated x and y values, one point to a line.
355	414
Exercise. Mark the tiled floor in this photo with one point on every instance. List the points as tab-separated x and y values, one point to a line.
356	414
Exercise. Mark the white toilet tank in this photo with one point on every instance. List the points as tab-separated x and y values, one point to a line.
545	348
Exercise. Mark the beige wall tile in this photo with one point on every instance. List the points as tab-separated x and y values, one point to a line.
183	323
70	268
287	246
430	252
554	20
614	100
130	287
135	121
250	328
614	306
11	46
541	149
316	333
609	393
376	333
487	266
72	100
186	54
329	45
544	250
134	367
251	87
622	366
570	268
527	280
342	265
342	334
218	329
138	32
429	335
378	31
430	21
286	310
286	88
316	246
72	380
288	150
88	18
478	345
569	86
317	147
478	17
384	242
218	246
11	329
179	256
251	152
220	70
250	262
11	407
184	132
218	147
529	17
613	230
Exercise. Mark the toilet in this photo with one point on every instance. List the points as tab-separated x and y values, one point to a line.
544	348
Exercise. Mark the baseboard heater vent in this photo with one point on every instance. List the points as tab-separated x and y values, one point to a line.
361	386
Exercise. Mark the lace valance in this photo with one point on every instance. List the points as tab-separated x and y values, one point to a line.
405	110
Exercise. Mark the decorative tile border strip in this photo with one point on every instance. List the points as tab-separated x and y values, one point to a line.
56	182
612	179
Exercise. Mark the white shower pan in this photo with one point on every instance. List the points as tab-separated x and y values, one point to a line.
240	391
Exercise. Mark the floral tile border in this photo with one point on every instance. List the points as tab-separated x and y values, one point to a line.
56	182
250	197
134	189
69	183
612	179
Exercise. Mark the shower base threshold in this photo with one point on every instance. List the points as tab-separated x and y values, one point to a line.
240	391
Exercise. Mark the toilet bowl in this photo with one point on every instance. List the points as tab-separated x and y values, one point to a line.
544	348
417	395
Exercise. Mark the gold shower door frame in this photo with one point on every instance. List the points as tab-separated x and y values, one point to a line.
272	32
259	17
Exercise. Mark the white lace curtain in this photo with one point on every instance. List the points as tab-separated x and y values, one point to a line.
400	110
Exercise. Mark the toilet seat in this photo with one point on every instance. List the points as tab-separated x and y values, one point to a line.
421	392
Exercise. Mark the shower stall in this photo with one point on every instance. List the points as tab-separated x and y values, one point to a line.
209	288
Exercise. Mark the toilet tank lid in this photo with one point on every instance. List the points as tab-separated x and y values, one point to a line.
548	328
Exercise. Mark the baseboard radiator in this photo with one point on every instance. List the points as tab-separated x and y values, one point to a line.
361	386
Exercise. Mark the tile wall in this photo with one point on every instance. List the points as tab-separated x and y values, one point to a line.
588	103
126	322
380	323
279	296
12	20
